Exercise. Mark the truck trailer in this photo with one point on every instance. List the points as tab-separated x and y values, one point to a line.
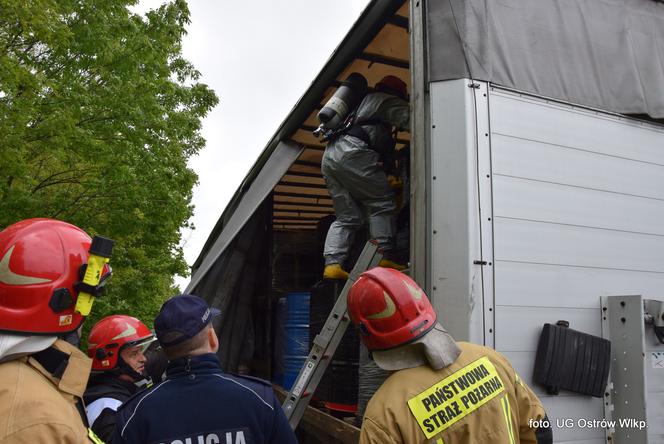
536	190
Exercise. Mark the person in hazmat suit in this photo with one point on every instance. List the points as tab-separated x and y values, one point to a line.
354	166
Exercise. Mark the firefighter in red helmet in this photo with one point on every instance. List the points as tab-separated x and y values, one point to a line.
441	390
42	377
116	345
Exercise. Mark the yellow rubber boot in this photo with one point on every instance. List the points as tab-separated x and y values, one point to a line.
386	263
334	271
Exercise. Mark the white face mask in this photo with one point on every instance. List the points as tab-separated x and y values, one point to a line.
15	346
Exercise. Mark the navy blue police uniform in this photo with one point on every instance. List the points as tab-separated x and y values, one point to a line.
199	404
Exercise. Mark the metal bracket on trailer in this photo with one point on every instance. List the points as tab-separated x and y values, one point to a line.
623	325
326	343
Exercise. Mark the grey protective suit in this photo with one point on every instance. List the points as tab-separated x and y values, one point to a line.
356	181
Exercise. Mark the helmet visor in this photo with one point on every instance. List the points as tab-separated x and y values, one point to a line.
142	343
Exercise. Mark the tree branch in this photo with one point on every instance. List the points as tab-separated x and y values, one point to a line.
50	182
71	206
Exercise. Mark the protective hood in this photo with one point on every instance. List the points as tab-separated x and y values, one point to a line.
15	346
436	348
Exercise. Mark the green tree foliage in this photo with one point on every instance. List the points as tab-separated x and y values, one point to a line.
99	114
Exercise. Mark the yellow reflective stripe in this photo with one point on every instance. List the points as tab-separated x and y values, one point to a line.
507	412
448	401
439	441
94	438
517	379
509	416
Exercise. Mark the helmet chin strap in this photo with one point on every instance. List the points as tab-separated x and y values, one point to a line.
73	338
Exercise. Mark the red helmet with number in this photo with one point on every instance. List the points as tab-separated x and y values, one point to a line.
40	261
112	334
390	309
393	85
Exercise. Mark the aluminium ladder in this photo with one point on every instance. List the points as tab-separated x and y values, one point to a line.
326	342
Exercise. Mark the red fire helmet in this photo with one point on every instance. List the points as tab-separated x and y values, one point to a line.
389	308
110	335
393	84
40	261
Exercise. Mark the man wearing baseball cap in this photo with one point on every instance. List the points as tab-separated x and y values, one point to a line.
197	402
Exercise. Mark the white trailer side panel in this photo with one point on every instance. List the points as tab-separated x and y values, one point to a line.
537	210
578	204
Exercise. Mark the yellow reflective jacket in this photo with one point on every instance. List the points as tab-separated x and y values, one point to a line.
36	407
477	399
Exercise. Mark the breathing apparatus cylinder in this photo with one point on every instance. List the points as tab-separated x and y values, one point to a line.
344	100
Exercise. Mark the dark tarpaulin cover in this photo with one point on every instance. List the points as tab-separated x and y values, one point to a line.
236	285
249	197
607	54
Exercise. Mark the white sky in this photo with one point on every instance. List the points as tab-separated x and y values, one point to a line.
259	57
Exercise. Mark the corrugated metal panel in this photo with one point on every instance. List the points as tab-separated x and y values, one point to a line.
568	245
578	200
568	287
518	327
578	206
561	164
575	128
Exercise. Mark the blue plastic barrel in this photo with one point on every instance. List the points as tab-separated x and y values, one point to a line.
296	346
279	342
